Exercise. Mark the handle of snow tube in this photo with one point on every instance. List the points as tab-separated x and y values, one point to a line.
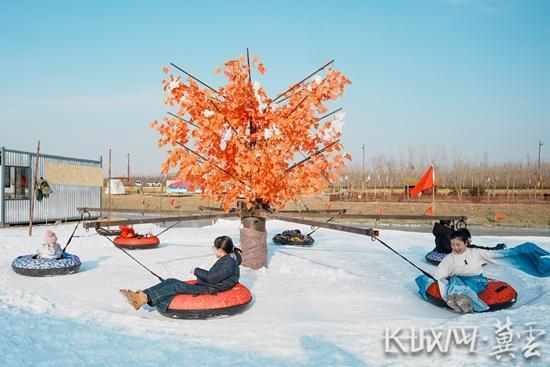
461	224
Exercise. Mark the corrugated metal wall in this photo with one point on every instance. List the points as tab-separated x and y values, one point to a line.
2	158
16	158
62	204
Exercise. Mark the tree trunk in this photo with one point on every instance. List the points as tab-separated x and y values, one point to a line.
253	239
254	223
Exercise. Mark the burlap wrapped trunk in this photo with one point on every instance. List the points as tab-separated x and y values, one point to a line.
254	246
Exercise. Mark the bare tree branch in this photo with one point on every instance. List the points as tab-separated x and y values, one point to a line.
311	156
214	165
196	79
303	80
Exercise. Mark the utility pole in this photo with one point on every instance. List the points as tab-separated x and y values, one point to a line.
363	180
538	185
128	167
109	187
538	167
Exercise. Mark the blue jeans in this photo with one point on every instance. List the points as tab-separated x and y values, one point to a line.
161	295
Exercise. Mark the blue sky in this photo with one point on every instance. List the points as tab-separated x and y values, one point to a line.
471	77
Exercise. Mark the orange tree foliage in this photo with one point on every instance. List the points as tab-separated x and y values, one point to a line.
241	131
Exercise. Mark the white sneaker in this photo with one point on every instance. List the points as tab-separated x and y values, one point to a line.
451	301
464	303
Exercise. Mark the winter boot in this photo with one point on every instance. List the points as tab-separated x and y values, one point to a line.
135	299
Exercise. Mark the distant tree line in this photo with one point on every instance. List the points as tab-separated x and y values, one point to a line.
456	174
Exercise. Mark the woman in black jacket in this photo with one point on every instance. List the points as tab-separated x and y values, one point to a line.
442	233
222	276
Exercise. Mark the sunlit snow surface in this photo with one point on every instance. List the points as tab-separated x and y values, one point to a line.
328	305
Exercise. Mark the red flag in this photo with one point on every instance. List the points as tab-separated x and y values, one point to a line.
173	202
426	182
328	206
429	211
498	217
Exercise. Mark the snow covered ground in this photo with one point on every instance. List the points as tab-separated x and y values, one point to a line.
328	305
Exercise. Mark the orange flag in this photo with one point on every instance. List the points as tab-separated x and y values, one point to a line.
498	217
426	182
381	211
173	202
429	211
328	206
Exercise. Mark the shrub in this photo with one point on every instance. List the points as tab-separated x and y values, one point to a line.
477	191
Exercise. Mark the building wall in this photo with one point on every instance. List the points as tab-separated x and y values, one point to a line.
62	204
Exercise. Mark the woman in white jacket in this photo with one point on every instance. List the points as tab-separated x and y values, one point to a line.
460	274
50	249
463	270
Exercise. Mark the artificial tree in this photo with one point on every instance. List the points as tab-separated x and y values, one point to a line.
242	148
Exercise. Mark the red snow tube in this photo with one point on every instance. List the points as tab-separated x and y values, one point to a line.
227	303
139	242
498	295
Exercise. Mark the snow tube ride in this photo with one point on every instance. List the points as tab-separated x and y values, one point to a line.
498	295
138	242
293	238
203	306
433	257
129	239
31	265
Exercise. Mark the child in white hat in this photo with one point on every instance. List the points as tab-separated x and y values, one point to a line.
50	249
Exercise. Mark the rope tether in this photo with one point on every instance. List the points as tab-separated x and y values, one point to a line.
133	258
312	232
74	230
172	226
404	258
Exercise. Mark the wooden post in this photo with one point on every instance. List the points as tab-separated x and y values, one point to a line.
433	199
162	184
507	189
462	183
33	188
109	185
